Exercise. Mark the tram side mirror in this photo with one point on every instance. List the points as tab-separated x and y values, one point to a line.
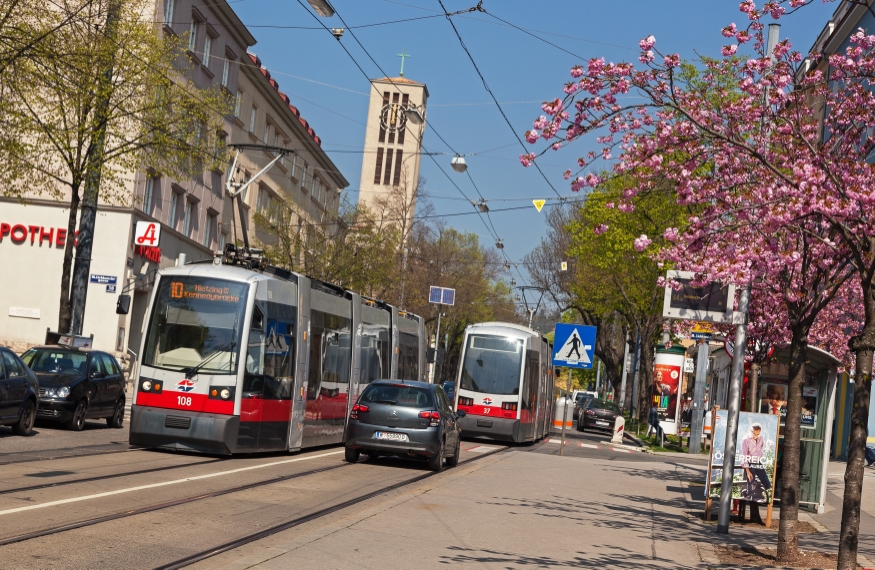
123	306
461	413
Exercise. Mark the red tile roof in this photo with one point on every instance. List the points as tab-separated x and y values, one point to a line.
285	98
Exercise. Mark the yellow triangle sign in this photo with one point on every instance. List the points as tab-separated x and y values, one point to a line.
539	204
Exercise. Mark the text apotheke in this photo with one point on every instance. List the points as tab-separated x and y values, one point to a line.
19	233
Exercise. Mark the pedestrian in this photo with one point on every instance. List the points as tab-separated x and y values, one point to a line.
653	422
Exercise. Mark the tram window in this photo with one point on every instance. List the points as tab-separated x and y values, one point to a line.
330	351
374	354
408	347
492	365
255	353
278	358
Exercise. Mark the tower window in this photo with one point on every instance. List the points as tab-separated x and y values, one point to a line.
379	167
388	172
397	177
404	101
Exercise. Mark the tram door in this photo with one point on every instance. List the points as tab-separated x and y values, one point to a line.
530	395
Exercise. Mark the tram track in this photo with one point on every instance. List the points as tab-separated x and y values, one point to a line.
35	456
215	551
157	507
104	477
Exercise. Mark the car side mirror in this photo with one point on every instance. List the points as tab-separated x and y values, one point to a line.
461	413
97	375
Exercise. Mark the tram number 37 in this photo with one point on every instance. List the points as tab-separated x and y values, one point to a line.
486	411
183	401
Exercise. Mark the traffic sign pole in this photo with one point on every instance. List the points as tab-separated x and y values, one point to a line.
565	414
697	421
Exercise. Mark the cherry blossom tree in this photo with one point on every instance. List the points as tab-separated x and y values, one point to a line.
785	195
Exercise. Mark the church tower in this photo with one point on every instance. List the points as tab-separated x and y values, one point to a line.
393	147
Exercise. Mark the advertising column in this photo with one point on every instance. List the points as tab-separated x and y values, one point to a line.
664	389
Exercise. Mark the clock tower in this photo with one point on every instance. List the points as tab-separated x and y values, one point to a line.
393	147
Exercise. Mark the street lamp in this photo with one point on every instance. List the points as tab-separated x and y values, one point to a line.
414	115
322	7
458	163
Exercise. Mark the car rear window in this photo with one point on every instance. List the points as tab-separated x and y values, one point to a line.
602	405
398	395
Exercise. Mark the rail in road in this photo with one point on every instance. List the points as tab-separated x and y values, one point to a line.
105	499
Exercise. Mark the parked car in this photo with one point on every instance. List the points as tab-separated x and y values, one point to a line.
412	419
580	401
19	393
76	384
598	414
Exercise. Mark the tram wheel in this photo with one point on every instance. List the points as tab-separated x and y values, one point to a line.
351	455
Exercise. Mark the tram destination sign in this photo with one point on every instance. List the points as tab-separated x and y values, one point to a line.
710	303
441	295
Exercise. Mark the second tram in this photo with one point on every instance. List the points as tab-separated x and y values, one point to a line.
238	361
505	383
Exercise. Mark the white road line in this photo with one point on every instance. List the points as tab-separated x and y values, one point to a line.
481	449
556	441
153	485
589	445
613	449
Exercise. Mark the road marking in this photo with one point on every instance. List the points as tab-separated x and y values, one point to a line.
589	445
613	449
481	449
153	485
556	441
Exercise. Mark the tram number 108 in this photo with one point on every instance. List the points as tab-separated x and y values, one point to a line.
183	401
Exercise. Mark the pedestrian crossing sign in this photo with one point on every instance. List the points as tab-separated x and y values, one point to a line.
574	346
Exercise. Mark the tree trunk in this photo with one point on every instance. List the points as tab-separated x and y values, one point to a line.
64	304
788	533
754	388
850	530
646	373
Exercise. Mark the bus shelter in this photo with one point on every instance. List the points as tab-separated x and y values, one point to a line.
818	412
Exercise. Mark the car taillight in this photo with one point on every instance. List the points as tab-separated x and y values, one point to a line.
354	414
433	417
589	412
466	401
512	406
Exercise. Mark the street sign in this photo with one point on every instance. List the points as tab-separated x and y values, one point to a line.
700	335
574	346
110	288
539	204
564	266
442	295
104	279
711	303
689	365
147	234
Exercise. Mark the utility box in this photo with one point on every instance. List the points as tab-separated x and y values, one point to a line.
71	340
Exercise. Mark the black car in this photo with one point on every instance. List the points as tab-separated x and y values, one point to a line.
19	393
598	414
76	384
580	402
412	419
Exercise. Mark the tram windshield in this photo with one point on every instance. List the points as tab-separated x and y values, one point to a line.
196	323
492	365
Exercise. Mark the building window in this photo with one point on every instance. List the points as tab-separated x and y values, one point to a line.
283	157
397	176
192	35
266	137
226	66
171	216
120	339
208	229
304	176
148	193
222	237
388	170
237	103
404	101
252	115
189	214
294	164
379	167
208	44
168	13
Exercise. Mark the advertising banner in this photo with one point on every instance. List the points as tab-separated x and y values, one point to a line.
663	392
755	454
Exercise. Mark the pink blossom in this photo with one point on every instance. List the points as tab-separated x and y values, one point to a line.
576	71
671	234
647	43
729	30
532	136
600	229
527	159
642	242
540	123
729	50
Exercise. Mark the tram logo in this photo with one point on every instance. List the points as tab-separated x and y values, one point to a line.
185	386
487	401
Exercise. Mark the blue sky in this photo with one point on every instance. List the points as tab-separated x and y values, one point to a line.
332	94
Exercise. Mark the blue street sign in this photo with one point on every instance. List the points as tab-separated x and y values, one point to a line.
574	346
110	288
442	295
104	279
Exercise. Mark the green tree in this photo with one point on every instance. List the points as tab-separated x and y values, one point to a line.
69	127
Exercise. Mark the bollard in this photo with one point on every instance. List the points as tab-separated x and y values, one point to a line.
619	426
560	413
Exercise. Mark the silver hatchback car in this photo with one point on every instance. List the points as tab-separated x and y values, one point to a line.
411	419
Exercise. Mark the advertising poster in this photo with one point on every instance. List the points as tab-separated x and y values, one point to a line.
809	407
773	399
664	391
755	453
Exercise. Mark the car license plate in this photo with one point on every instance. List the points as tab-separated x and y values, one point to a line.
391	436
601	423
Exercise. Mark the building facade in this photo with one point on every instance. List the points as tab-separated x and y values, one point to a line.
194	215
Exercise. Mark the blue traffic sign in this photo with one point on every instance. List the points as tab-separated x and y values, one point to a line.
574	346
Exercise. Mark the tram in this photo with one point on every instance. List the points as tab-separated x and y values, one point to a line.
505	383
242	357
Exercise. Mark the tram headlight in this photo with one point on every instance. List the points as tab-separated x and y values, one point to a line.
225	393
147	385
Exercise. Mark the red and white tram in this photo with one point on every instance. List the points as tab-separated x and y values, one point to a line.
238	361
505	383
